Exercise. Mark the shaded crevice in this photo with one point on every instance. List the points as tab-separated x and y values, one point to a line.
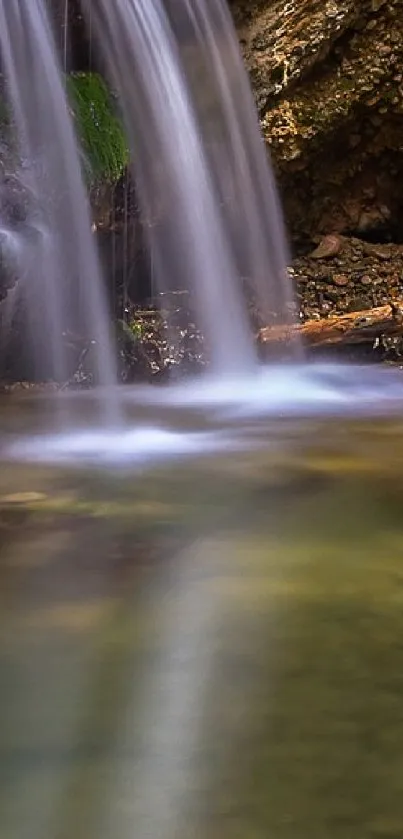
380	234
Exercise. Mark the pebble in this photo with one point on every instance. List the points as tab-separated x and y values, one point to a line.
361	276
340	279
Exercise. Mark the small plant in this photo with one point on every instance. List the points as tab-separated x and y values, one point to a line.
98	127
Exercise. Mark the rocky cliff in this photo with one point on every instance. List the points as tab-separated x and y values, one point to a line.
328	77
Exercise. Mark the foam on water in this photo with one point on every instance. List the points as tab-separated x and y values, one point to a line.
281	390
143	445
229	415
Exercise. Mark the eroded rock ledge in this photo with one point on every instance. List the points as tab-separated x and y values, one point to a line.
328	83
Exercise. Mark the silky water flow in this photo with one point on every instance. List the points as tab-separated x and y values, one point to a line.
200	610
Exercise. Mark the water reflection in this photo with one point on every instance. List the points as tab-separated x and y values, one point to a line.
209	649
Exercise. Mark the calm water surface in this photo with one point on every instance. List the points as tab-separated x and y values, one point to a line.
209	649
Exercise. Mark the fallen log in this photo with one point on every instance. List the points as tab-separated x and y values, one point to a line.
353	328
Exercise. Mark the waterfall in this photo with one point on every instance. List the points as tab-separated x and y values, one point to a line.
202	171
209	201
60	275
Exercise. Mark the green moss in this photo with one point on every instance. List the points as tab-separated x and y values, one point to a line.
98	127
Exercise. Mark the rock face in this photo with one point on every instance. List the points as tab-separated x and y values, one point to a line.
328	80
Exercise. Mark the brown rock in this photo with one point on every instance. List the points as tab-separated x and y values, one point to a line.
328	247
382	252
326	81
340	279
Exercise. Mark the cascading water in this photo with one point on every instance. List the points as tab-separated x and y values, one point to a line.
133	608
199	162
59	273
205	184
238	159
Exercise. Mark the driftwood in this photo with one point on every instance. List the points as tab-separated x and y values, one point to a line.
353	328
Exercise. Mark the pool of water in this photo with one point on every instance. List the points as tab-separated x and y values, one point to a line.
203	646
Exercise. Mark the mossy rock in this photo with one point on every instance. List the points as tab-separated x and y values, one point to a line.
98	127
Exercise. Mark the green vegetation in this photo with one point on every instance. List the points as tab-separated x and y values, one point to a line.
98	127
